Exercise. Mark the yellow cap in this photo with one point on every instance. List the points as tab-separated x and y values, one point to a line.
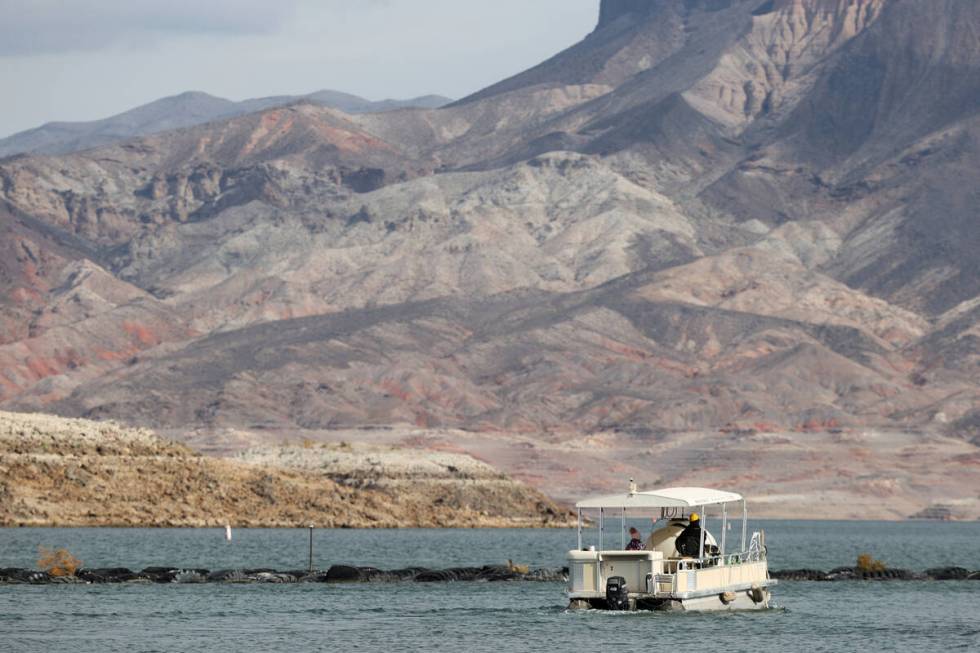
694	516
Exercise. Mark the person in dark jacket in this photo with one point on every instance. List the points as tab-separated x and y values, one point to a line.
688	543
636	544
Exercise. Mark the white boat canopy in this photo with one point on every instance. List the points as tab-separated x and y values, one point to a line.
668	497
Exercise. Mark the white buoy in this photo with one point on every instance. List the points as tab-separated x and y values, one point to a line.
228	532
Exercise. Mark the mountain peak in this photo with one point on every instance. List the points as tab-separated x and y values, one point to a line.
638	10
612	10
191	96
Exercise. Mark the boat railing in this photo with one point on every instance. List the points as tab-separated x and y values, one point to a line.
755	553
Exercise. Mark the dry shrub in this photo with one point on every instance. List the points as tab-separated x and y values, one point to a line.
517	569
866	563
308	443
59	562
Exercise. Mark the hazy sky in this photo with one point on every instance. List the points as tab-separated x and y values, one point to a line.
87	59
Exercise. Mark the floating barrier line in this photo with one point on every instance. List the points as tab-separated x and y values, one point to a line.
335	574
487	573
855	573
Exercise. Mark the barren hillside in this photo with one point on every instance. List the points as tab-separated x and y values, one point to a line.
709	216
71	472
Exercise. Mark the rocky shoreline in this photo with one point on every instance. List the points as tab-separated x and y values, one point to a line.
73	472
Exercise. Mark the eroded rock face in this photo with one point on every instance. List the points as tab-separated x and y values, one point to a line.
772	66
418	478
748	219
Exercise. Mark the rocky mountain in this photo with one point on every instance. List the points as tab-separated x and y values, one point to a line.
184	110
711	221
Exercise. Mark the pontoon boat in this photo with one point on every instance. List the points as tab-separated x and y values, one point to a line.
659	577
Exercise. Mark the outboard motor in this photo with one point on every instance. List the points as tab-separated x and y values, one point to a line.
617	595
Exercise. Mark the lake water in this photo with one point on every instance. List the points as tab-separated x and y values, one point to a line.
474	617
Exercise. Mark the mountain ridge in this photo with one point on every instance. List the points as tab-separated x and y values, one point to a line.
185	109
745	222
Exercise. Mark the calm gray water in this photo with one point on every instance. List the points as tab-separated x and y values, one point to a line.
473	617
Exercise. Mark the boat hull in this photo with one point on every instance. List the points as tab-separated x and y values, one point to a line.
752	599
